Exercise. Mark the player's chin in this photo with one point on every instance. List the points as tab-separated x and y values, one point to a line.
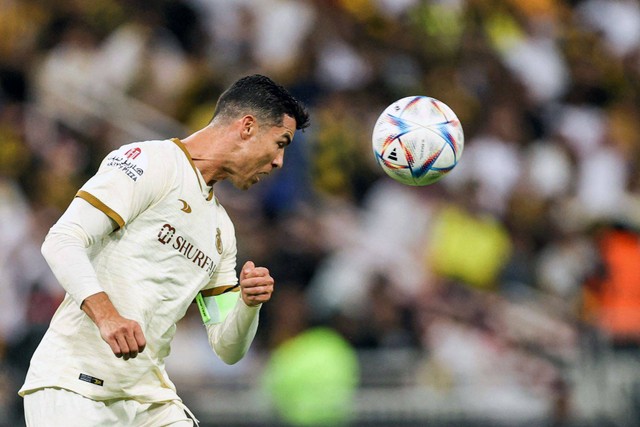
245	184
252	181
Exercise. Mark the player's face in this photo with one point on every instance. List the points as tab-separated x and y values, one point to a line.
264	152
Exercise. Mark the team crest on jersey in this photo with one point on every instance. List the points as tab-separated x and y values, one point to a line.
130	160
218	241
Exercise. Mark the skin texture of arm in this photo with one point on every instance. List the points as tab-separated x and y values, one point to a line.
124	336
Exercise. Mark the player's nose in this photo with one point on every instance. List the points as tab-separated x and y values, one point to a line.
278	161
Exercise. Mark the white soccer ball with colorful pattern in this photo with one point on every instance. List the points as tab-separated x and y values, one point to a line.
417	140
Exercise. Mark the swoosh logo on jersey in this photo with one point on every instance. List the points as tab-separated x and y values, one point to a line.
185	206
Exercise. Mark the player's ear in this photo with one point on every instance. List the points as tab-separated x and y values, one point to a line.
247	126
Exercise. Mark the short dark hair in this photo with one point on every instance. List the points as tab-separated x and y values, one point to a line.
262	97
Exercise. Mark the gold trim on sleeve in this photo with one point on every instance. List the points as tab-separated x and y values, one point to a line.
219	290
96	203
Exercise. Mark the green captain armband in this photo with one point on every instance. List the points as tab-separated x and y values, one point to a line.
202	307
214	309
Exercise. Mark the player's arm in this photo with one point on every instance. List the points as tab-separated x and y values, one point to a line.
65	250
231	338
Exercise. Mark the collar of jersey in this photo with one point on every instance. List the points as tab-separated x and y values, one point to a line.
206	191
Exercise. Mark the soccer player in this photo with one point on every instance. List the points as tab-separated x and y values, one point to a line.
143	239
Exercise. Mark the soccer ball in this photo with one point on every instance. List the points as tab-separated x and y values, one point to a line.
417	140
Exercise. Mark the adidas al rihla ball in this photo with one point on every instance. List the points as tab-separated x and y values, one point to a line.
417	140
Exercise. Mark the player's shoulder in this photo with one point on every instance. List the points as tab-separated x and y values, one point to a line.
152	147
154	151
139	159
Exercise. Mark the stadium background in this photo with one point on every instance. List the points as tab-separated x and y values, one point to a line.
507	294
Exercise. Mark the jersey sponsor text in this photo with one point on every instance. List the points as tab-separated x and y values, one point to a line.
186	248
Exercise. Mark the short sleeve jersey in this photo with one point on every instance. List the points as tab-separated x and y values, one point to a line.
173	240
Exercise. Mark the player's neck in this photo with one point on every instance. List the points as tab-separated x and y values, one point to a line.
209	149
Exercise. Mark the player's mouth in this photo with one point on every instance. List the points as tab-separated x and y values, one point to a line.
259	175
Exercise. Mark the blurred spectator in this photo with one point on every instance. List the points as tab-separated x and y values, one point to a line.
468	245
612	307
312	378
612	292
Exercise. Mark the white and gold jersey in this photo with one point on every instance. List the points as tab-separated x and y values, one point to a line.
173	240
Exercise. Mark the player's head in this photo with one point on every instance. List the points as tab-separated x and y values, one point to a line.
261	97
262	117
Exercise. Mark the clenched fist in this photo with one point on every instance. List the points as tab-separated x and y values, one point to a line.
124	336
256	284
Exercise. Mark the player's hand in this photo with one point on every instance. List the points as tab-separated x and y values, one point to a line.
124	336
256	284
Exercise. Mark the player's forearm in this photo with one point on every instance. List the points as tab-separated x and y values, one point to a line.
232	338
68	259
99	307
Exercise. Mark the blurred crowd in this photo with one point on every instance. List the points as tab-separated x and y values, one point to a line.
502	275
